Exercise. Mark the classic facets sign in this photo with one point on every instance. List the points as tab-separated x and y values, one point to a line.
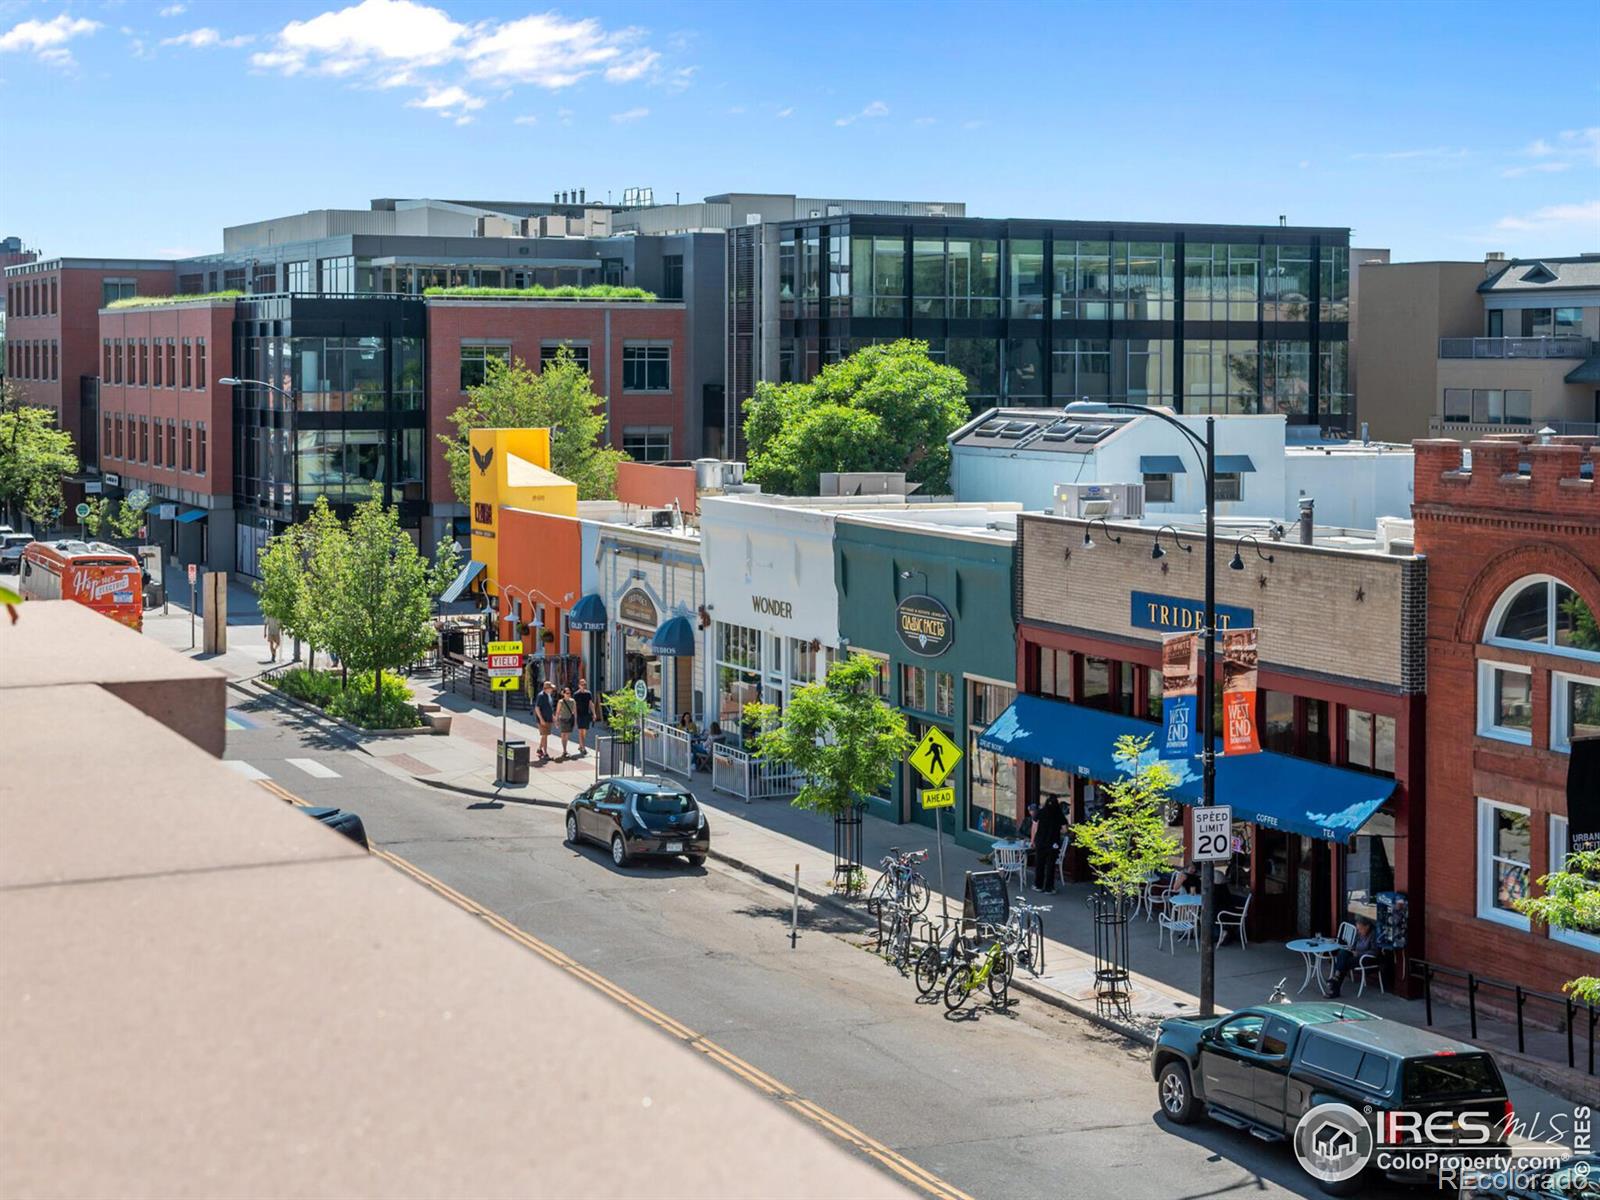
925	626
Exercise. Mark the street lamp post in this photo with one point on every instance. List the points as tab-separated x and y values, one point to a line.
233	381
1208	751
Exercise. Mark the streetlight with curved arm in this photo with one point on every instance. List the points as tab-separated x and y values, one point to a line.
1208	718
1156	552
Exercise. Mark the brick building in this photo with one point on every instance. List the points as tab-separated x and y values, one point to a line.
53	331
1512	540
166	423
1329	815
634	352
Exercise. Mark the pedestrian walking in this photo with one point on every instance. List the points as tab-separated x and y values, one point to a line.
544	711
566	718
274	632
583	714
1046	843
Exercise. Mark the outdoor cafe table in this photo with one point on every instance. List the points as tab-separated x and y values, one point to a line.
1313	951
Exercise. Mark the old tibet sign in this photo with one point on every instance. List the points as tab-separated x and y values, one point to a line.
924	625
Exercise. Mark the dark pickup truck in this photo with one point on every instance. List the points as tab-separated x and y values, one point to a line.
1261	1069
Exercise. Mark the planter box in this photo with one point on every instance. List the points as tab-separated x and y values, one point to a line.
437	722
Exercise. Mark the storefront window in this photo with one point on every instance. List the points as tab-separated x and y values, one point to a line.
1369	865
880	683
1055	674
1096	682
1369	743
914	688
1277	722
738	673
944	694
1505	849
806	665
1153	693
991	790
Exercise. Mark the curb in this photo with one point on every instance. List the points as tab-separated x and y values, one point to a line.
485	794
251	688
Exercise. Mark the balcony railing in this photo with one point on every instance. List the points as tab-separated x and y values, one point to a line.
1507	347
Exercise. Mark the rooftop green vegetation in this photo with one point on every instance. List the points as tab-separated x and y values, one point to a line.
591	291
159	301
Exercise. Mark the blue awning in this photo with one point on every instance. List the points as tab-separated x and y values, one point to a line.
194	514
461	582
1234	464
674	639
1272	790
587	615
1161	464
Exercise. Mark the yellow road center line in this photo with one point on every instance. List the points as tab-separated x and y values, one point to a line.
732	1063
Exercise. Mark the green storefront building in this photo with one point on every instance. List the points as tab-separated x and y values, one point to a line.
929	592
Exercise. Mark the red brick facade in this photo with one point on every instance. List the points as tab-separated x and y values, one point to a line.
528	325
1483	530
53	328
159	368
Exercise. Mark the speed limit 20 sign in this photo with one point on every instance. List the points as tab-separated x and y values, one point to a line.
1213	833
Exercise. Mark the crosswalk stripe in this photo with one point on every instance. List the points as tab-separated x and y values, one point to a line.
245	769
313	768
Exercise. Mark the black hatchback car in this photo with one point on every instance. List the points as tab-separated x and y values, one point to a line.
640	817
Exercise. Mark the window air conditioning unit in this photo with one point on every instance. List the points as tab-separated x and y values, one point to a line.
661	518
1086	501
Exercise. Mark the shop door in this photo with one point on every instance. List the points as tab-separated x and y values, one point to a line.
1311	872
1273	913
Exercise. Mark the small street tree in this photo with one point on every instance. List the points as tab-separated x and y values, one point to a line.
323	543
842	739
1570	899
885	408
1129	841
559	397
35	457
381	614
280	589
625	717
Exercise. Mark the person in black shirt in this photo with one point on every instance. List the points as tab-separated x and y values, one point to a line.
583	698
544	710
1047	833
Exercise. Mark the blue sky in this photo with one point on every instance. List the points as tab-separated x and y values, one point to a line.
1438	130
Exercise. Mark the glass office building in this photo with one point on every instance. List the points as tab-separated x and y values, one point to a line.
351	411
1225	319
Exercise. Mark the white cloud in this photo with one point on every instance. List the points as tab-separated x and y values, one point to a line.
448	102
925	121
633	114
564	115
47	40
736	111
1436	153
875	109
464	120
199	39
1548	167
783	114
1571	146
174	10
549	51
636	66
380	32
1583	215
973	124
681	78
530	120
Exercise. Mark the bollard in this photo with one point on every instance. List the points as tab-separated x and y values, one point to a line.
794	916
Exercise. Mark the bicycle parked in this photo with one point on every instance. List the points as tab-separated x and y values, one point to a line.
901	881
1025	926
989	968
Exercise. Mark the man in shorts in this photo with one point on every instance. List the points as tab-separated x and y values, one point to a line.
544	711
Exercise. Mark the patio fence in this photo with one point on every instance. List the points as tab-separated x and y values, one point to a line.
743	775
1564	1013
667	747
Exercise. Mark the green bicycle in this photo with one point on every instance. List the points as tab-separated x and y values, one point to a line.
992	967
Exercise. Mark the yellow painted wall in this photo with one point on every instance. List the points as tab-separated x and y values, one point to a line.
511	468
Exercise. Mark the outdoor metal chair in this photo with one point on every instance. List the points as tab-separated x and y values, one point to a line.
1011	860
1181	922
1366	961
1156	894
1235	920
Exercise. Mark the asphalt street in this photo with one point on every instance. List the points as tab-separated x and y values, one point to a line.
1030	1102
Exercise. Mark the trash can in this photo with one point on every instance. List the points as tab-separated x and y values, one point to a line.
511	759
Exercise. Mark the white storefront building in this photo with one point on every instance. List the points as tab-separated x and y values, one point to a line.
771	596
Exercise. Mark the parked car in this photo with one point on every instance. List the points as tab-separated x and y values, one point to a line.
1576	1179
1261	1069
640	817
346	823
11	544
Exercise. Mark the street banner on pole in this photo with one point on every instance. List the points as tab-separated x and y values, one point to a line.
1179	671
1239	654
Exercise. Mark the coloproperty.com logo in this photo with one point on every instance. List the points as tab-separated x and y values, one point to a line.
1334	1142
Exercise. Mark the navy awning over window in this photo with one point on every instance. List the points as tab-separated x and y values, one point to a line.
1234	464
1272	790
1161	464
461	582
587	615
674	639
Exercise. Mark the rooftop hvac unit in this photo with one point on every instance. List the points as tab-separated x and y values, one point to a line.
661	518
1089	500
713	474
864	483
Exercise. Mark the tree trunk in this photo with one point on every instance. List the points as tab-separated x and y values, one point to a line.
377	688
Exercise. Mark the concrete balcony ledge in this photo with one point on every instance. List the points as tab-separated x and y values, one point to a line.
1514	347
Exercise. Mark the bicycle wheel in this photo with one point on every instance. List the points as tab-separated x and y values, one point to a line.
1000	979
929	970
1036	944
880	890
958	986
917	892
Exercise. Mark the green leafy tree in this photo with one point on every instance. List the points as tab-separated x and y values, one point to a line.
558	397
626	714
125	520
35	457
842	739
1570	899
1129	841
95	519
280	590
323	544
383	605
904	406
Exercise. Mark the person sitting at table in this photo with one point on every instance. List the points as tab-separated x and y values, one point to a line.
1366	943
1224	899
700	746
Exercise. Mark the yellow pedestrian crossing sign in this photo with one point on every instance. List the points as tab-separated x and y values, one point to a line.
504	683
935	756
938	797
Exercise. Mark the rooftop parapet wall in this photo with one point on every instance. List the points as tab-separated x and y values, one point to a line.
1553	486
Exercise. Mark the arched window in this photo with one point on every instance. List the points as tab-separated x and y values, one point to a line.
1541	611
